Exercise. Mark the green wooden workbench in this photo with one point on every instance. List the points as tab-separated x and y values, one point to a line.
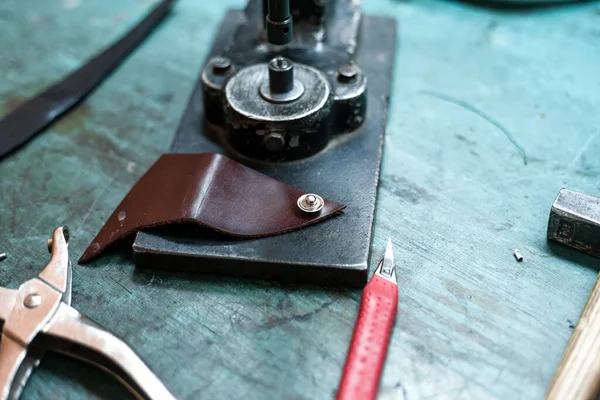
493	111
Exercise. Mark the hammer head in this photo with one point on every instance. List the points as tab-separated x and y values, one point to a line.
575	221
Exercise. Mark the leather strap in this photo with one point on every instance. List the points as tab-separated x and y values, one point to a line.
210	190
24	123
370	340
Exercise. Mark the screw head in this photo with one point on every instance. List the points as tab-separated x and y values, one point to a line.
220	65
310	203
348	72
32	300
274	142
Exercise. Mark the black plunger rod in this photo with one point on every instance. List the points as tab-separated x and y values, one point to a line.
279	22
279	10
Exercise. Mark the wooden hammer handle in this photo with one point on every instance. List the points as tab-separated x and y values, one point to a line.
578	374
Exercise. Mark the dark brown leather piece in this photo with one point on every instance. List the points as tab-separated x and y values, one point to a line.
210	190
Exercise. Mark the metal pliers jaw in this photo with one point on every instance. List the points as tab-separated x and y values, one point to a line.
38	317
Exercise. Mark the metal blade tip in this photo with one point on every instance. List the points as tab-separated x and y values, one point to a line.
389	252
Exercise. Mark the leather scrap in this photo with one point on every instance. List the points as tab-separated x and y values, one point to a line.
28	120
209	190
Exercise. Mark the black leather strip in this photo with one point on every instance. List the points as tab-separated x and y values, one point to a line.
24	123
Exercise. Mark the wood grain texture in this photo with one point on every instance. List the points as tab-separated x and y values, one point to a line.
578	374
455	196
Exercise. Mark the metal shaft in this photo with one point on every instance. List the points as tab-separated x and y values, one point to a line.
279	22
281	75
279	10
281	86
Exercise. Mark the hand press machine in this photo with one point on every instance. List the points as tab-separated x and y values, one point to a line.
305	103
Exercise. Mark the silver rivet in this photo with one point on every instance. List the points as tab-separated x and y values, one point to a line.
32	300
310	203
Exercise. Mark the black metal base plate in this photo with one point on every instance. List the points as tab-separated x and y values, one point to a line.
334	252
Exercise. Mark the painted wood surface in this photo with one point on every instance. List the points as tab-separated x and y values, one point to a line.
493	111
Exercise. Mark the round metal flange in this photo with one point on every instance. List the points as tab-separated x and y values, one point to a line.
310	203
294	94
261	128
242	95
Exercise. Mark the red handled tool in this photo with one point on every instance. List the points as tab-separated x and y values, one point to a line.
368	348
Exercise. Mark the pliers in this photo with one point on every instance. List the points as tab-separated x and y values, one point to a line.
39	317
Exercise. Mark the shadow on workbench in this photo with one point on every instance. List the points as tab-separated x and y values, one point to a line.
212	281
206	276
520	6
85	381
574	256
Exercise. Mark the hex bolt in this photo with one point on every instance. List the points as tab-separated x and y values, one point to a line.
274	142
347	73
220	65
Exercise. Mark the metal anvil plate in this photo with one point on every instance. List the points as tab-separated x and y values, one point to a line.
334	252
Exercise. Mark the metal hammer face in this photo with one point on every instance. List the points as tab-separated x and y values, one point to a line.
575	221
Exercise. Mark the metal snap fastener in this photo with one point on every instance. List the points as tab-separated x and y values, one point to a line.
310	203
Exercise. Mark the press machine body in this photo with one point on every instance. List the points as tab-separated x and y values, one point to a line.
299	91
